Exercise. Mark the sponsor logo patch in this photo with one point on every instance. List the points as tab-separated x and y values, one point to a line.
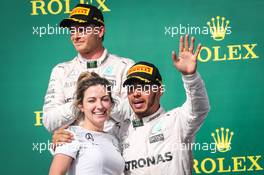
140	68
80	11
156	138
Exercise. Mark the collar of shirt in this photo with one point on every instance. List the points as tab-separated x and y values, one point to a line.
92	63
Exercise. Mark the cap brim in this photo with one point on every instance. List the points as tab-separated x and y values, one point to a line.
68	22
133	80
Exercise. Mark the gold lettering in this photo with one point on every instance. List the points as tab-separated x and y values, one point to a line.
221	166
212	163
101	4
38	118
209	165
254	163
238	164
40	7
233	52
59	7
216	54
209	54
67	7
82	2
250	51
195	164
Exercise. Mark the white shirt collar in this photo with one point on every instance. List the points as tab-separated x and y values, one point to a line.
152	116
97	61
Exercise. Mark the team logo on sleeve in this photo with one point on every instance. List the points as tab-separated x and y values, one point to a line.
156	133
157	127
109	75
108	71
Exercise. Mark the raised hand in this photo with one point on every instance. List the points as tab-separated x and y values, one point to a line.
186	63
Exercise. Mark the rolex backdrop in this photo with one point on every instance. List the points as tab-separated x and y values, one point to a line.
231	63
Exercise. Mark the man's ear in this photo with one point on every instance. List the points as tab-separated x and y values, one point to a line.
101	31
161	90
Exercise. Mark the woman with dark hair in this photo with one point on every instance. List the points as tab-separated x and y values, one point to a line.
92	151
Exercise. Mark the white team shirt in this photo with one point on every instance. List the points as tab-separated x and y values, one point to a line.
94	153
162	145
57	109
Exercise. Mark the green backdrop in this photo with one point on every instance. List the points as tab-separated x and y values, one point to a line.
232	69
